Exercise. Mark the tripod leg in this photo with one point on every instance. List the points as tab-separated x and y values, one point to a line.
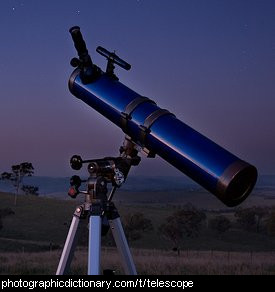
94	245
122	246
69	247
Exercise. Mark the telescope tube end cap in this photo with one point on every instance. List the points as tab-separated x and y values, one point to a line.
236	183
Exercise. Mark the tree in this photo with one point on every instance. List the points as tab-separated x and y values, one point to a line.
19	171
270	223
250	218
246	218
30	190
184	222
135	224
172	231
260	213
190	219
220	224
6	176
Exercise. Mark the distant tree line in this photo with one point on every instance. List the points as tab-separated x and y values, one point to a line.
256	218
188	221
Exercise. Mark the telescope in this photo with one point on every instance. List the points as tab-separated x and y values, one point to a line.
157	131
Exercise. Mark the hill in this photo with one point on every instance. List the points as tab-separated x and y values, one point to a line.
42	223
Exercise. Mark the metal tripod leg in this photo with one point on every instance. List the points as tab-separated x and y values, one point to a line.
94	254
94	245
122	246
70	244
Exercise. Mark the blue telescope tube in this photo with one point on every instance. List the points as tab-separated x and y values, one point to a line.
214	168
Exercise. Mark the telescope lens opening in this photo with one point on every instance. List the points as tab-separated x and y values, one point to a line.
241	185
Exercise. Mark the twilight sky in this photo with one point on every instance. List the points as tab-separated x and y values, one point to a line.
212	63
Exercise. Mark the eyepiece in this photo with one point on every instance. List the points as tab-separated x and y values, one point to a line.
80	46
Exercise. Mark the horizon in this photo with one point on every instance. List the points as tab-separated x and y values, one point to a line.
141	175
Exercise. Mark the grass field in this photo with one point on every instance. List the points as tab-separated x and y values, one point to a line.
152	262
36	233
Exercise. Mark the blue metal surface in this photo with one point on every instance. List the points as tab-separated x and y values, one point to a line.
107	96
189	151
183	147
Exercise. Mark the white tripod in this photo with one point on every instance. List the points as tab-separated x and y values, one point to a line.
96	206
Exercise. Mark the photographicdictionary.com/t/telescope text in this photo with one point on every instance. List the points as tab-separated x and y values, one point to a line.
93	283
188	283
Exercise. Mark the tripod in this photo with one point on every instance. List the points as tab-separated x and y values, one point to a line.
98	208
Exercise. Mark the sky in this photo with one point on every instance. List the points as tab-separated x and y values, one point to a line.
212	63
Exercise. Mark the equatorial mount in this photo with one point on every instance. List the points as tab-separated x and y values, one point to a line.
113	170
